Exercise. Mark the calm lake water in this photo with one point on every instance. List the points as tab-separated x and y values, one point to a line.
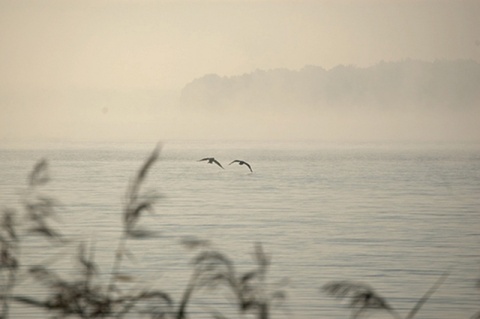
395	216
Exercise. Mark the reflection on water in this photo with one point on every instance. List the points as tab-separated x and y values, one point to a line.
393	216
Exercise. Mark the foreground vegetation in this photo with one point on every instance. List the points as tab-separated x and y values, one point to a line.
88	296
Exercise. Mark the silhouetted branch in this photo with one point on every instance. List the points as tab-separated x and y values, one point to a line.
362	297
134	207
426	296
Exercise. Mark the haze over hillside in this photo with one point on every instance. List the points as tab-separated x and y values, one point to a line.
396	100
440	84
100	70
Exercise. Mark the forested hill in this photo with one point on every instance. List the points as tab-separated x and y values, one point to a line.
409	83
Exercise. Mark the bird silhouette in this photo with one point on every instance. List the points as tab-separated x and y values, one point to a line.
211	160
242	163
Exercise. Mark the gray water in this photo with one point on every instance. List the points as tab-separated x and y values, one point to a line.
395	216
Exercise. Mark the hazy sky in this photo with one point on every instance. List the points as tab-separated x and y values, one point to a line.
126	57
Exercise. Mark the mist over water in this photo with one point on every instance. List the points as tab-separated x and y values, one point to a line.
328	70
353	125
398	101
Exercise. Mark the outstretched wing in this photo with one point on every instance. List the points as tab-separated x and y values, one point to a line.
204	159
216	162
235	161
248	166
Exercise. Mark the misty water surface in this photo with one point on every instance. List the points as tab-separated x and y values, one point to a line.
393	216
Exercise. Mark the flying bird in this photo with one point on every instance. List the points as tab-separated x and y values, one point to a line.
211	160
242	163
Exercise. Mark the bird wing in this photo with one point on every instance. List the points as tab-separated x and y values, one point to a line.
234	162
204	159
248	166
216	162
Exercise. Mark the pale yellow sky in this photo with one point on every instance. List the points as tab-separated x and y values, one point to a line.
53	50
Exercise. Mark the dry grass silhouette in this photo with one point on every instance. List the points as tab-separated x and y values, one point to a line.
364	298
87	297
